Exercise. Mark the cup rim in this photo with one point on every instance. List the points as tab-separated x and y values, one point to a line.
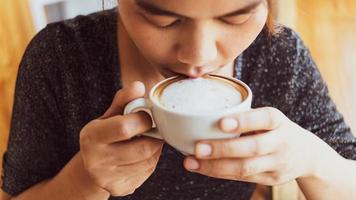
247	100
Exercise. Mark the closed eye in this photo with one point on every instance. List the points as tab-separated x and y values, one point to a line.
237	19
161	21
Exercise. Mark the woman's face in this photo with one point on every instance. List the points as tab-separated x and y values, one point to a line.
192	37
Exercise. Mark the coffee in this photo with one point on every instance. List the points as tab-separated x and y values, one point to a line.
200	95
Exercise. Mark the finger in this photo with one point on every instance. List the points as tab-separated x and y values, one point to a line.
124	96
235	169
270	178
266	118
117	128
247	146
133	151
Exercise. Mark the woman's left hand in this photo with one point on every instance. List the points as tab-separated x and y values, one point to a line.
272	151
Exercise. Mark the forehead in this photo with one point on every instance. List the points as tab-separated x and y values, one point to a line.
200	8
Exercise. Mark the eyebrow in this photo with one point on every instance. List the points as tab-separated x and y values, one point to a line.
156	10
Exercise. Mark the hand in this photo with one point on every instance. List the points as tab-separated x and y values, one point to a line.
272	151
115	160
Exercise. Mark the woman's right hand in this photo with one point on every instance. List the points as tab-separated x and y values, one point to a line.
115	160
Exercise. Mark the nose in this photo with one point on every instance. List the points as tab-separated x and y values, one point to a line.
197	47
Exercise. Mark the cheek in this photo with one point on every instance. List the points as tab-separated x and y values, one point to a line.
150	42
154	46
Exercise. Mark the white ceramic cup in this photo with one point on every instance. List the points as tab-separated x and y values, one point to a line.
183	130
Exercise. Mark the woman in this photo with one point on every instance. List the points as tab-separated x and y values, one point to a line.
69	139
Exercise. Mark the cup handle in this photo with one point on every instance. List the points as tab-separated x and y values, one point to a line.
140	104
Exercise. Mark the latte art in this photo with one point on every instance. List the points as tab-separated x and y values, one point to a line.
200	95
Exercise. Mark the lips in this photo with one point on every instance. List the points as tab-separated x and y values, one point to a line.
169	73
190	73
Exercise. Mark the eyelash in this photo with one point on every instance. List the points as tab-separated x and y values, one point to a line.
238	24
176	22
221	20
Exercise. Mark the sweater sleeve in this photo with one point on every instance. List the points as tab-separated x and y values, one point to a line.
312	107
36	139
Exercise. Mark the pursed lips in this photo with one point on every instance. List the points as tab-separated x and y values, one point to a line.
166	72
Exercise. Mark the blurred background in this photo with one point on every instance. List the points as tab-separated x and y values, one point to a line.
328	28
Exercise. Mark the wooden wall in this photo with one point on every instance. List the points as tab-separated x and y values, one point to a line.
16	30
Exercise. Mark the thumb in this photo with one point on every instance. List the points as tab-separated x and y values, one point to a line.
124	96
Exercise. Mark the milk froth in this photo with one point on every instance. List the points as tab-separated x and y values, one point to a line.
200	95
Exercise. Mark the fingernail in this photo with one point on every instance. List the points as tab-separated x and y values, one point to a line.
229	124
204	149
139	85
192	164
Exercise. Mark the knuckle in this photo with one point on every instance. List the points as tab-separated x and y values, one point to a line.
145	150
276	179
84	138
83	134
225	148
123	128
273	116
256	147
86	135
244	170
